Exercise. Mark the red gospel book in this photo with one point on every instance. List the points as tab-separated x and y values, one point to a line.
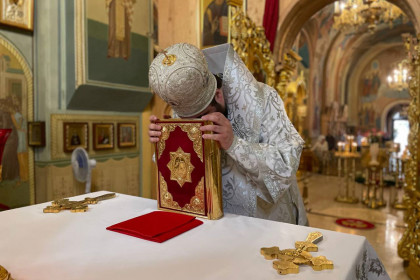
189	171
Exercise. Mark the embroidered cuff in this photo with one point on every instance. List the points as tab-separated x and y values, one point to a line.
232	147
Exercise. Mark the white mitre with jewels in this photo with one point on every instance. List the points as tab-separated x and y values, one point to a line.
180	76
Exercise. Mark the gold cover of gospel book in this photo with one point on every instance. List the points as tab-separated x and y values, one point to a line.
189	171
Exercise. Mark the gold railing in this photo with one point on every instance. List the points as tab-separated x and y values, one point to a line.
409	245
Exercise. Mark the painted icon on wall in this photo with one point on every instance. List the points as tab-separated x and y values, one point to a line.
17	13
214	22
126	135
36	134
103	136
75	135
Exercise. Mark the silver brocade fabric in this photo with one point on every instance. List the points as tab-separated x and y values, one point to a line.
258	170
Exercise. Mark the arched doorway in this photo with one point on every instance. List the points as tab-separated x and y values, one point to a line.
398	126
16	109
401	107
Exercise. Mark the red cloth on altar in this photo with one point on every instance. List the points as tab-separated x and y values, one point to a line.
157	226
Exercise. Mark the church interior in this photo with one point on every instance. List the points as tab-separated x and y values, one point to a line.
75	74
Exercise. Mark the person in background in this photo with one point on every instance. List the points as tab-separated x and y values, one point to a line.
321	152
332	145
359	137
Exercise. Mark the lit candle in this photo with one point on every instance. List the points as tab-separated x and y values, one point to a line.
340	146
405	72
336	7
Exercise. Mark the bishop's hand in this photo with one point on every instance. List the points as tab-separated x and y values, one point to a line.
154	130
221	128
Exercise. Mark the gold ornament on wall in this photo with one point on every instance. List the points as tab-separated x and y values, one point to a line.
250	43
287	69
295	102
409	245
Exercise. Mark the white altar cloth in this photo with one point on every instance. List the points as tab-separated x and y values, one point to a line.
36	245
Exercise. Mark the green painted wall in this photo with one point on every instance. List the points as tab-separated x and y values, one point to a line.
50	50
133	71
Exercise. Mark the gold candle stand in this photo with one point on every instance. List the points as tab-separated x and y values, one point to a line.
396	202
305	194
347	190
374	183
303	173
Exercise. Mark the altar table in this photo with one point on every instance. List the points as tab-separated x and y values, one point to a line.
36	245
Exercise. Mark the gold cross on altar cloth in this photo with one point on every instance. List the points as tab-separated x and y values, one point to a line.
75	206
287	261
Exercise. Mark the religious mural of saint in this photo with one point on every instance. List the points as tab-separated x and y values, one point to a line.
22	148
13	115
120	14
376	82
215	23
371	80
10	160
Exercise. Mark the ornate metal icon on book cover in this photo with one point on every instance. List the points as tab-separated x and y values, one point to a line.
189	172
180	166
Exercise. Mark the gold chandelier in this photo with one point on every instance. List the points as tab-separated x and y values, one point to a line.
351	15
347	15
399	77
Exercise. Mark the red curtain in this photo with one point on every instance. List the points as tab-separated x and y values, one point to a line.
271	18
